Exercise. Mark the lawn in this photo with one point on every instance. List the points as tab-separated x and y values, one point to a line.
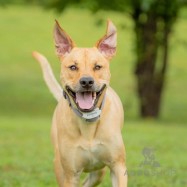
27	155
26	106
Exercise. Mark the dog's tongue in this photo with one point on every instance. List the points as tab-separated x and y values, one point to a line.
84	100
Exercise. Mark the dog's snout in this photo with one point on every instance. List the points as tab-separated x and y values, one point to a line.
86	82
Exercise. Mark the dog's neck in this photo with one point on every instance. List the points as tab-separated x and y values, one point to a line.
89	130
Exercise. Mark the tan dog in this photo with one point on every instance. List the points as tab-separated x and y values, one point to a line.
87	122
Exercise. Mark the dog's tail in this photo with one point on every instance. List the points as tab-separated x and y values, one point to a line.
48	75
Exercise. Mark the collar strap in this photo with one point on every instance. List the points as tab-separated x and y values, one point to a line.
92	116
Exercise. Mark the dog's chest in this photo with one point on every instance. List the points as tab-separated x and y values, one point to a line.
91	155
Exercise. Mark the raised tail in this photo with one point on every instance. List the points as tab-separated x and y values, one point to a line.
48	75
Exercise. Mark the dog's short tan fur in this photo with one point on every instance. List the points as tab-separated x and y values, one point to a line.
82	146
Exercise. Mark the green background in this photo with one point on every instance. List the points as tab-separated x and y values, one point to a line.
26	106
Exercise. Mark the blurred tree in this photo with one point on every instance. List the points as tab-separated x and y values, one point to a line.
153	21
23	2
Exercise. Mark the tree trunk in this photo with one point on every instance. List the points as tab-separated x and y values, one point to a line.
150	80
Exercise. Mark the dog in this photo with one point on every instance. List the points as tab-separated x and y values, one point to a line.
87	122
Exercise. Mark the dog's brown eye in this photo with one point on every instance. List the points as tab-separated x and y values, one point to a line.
97	67
73	68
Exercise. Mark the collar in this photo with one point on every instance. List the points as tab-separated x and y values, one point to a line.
92	116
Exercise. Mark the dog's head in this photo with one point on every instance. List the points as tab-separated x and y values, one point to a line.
85	72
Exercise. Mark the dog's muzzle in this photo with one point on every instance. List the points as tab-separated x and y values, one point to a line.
86	104
85	99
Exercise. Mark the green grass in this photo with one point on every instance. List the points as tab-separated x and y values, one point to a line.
27	154
26	106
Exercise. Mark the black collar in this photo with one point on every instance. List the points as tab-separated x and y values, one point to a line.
92	116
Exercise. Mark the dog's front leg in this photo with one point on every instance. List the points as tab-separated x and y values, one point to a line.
94	178
118	175
70	183
71	180
65	178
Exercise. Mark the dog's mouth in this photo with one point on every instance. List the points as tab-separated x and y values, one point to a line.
85	100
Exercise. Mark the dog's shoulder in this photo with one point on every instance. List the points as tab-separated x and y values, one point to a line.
113	96
114	107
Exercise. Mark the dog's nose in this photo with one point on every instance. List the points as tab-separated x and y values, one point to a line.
86	82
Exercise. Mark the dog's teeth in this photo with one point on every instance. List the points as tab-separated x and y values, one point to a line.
94	95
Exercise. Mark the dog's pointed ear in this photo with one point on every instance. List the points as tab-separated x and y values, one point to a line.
107	44
63	42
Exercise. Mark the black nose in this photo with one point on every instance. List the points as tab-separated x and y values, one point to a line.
86	82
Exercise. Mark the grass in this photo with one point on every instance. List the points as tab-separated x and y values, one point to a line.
27	154
26	106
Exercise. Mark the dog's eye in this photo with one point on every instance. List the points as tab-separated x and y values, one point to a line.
73	68
97	67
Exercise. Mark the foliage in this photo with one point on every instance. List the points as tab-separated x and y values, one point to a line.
23	2
119	5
